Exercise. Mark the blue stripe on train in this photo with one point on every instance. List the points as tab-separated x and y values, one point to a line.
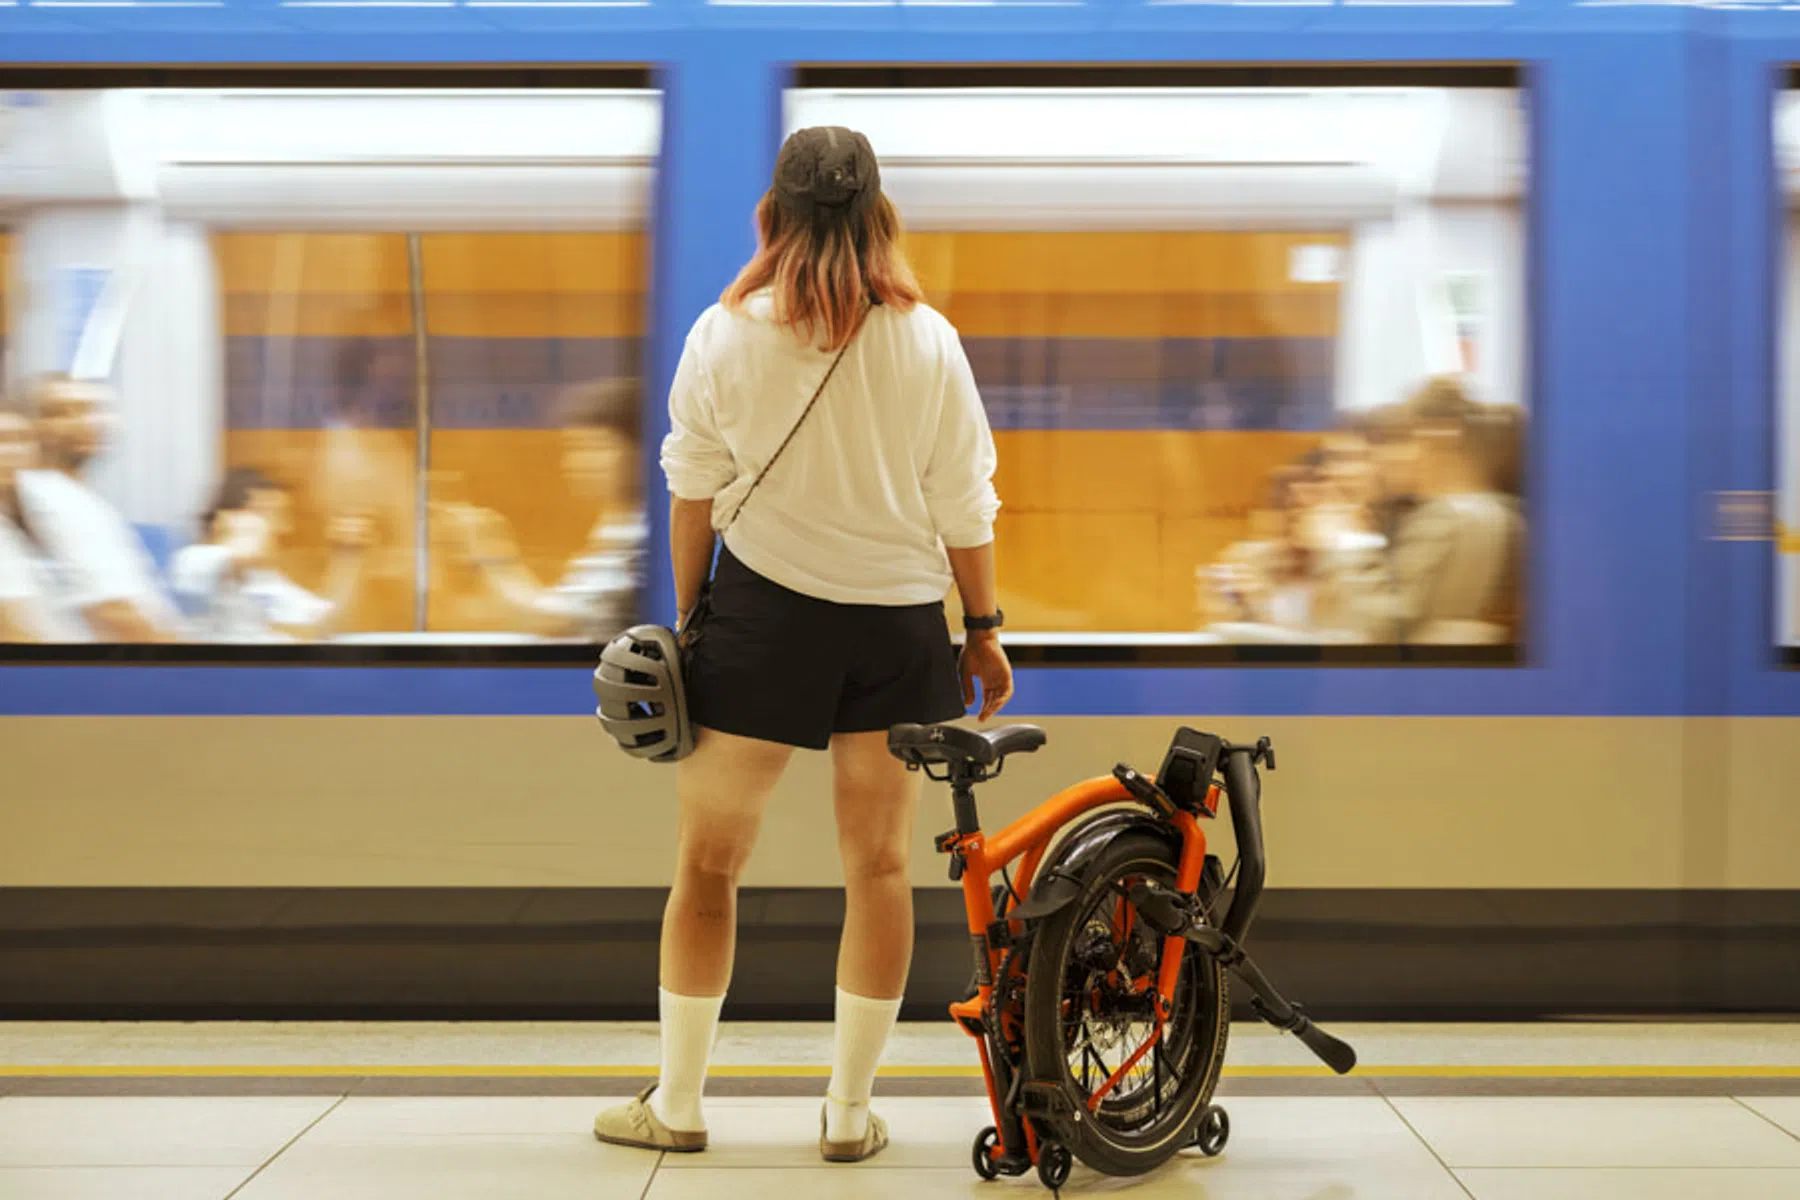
478	383
1027	383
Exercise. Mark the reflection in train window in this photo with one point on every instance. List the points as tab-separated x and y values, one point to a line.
1254	360
533	347
513	421
367	371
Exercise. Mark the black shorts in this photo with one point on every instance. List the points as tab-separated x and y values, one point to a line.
779	666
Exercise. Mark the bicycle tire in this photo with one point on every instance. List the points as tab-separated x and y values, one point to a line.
1114	1143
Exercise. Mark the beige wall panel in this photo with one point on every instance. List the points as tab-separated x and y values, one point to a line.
487	801
1760	813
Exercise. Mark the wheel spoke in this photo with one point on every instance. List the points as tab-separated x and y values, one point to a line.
1107	1012
1090	1055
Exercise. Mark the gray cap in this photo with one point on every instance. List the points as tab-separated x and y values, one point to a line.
826	171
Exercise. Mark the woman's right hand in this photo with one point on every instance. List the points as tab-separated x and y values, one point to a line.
984	659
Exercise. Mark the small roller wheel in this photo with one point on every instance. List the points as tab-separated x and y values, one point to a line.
983	1153
1213	1131
1054	1164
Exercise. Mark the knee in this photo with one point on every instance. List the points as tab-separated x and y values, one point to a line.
716	855
877	865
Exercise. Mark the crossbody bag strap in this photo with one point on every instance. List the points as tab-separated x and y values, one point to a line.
804	413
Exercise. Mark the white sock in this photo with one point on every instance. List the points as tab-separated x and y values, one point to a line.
688	1025
861	1034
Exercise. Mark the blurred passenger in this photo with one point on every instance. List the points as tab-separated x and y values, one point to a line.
30	607
1266	578
1337	521
826	624
107	576
228	581
597	594
1347	470
1456	551
1393	460
365	469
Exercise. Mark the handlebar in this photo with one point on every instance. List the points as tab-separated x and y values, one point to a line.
1263	751
1243	788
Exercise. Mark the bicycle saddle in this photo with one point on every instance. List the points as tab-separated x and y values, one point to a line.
954	744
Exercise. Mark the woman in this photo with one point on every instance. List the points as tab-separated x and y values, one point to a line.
826	623
1455	552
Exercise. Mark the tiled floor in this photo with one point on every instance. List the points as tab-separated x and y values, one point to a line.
1561	1144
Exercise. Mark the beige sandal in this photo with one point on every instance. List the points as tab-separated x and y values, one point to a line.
874	1141
635	1124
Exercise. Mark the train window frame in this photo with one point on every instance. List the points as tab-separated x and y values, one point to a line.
1150	649
616	77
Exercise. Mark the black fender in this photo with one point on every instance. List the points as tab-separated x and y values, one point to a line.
1059	879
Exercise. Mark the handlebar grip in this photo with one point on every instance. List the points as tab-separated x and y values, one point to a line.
1334	1053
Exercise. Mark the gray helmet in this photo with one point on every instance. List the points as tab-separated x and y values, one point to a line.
643	704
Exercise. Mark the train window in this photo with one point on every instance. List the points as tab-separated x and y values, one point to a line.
1254	357
366	373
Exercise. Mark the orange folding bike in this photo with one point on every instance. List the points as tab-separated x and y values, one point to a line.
1099	1002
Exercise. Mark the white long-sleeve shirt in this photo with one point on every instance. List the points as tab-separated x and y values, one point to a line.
895	463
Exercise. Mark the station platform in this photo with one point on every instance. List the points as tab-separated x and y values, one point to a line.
1588	1110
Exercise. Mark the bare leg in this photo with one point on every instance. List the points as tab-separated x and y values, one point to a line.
723	787
876	799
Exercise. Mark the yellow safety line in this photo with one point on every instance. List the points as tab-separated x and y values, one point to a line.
602	1071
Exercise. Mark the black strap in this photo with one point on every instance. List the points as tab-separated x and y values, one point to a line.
804	413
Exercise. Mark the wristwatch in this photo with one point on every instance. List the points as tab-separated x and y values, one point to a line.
979	623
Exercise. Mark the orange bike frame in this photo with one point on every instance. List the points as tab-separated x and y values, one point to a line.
1030	836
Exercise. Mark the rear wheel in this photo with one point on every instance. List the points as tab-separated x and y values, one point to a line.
1089	1007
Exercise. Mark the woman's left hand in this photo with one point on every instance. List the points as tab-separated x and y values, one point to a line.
984	659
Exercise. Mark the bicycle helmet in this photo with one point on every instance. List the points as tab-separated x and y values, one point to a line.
643	704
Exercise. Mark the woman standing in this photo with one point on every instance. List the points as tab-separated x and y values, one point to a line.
827	621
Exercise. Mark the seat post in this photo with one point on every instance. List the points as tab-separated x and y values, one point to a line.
962	793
